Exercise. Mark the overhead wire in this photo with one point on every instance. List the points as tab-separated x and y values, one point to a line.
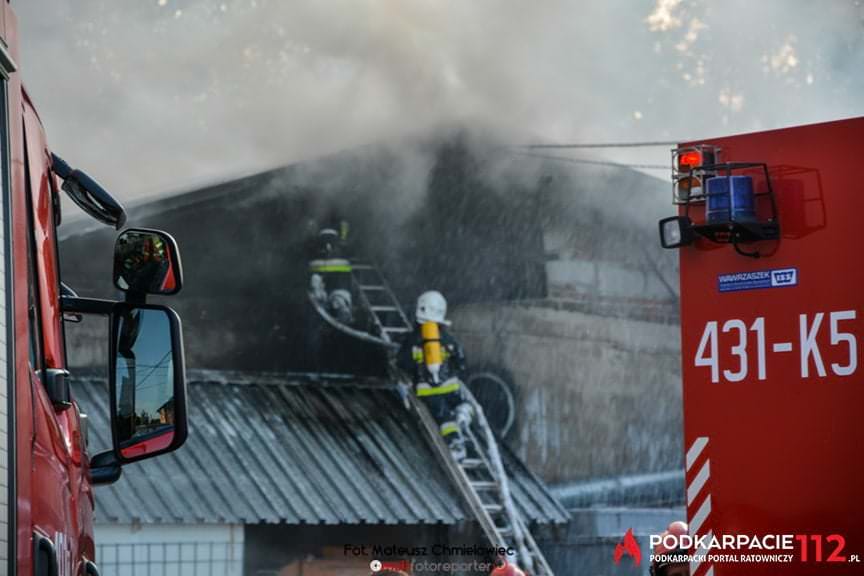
596	145
585	145
594	162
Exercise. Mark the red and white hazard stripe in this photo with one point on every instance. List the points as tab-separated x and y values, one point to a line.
698	475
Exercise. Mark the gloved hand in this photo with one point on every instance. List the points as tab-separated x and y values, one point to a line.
404	390
464	414
340	304
316	285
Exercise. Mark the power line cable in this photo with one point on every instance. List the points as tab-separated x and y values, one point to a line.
588	145
594	162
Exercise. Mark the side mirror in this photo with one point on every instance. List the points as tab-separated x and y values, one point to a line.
147	262
147	382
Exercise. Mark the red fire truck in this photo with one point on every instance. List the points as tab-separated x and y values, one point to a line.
46	474
772	323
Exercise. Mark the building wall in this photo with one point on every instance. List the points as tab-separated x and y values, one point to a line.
607	279
596	396
170	550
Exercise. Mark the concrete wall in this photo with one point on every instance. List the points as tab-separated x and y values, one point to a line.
596	395
579	276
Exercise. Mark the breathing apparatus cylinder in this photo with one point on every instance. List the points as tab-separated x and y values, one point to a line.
432	354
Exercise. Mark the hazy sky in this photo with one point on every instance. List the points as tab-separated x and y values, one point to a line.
154	96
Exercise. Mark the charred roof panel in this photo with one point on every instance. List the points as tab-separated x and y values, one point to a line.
296	450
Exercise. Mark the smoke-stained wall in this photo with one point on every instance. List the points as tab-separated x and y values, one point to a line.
244	249
596	395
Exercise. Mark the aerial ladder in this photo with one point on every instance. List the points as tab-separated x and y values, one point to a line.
480	477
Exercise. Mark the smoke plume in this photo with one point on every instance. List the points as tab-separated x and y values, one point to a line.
153	96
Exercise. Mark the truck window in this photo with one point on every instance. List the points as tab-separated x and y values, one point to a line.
33	311
42	241
34	308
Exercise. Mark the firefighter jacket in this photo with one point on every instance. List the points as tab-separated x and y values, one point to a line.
411	361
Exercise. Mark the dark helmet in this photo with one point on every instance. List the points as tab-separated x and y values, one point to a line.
328	239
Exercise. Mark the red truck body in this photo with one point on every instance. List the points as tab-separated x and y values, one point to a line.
771	349
46	474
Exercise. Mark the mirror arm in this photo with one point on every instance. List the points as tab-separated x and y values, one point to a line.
105	468
136	298
95	306
57	385
88	194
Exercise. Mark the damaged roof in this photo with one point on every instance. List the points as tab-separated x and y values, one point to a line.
293	449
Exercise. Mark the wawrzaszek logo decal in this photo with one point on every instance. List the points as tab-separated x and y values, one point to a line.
785	277
628	547
758	279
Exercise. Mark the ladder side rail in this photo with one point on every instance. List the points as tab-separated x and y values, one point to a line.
481	453
390	295
364	301
458	476
501	474
537	553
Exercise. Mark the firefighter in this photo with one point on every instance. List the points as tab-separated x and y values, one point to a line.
435	362
330	275
666	568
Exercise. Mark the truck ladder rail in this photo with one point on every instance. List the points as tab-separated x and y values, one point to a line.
481	478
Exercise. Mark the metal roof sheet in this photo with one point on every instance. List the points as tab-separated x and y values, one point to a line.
292	449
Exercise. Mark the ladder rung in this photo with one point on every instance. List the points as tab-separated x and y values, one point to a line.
471	463
505	531
493	508
383	308
400	329
484	485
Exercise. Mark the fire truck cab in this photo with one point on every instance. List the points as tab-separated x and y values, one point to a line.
46	473
772	322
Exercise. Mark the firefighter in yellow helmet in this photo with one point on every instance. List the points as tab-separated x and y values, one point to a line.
434	360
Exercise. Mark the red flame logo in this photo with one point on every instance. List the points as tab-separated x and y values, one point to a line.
630	547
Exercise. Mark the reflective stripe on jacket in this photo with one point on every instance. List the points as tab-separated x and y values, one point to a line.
330	265
446	387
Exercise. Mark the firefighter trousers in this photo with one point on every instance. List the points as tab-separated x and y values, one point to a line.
442	400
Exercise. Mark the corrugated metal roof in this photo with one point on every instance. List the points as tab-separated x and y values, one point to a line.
292	449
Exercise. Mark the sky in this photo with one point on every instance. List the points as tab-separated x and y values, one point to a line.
158	96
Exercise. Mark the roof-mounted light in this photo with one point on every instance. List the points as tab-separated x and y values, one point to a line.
691	166
689	160
676	231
